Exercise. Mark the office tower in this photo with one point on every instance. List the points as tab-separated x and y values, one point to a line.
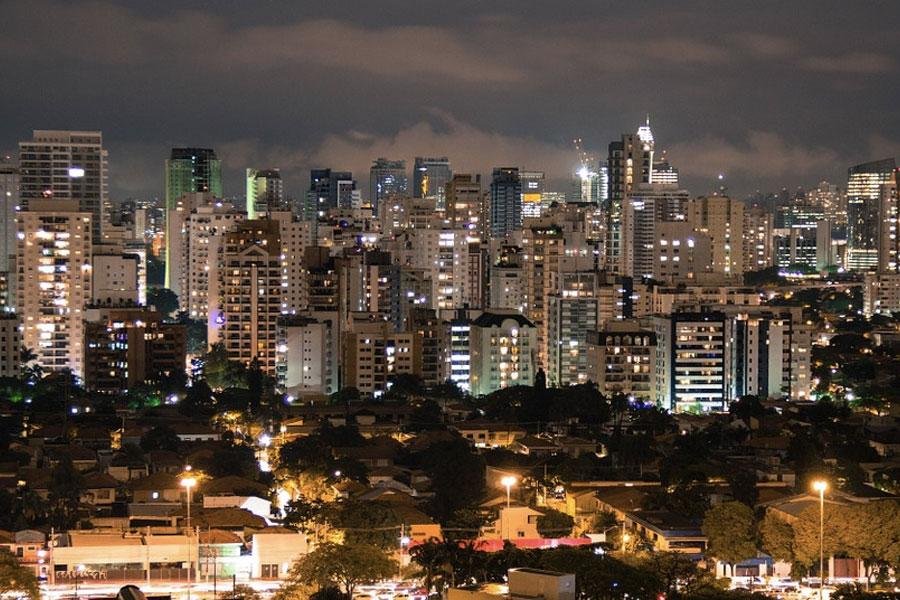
506	202
681	254
663	172
430	178
647	205
128	347
630	162
250	293
722	219
54	280
463	199
621	358
501	350
265	192
66	165
330	189
889	226
831	200
572	312
691	363
9	202
863	203
758	231
188	170
532	183
387	178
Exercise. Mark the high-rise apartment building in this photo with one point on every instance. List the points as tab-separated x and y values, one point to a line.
127	347
430	178
692	369
863	210
53	258
889	226
621	359
250	277
647	205
758	231
66	165
387	178
464	200
721	219
188	170
506	202
572	312
630	161
9	204
501	348
265	192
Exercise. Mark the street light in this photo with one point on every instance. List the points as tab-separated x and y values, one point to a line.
188	483
508	481
820	485
78	571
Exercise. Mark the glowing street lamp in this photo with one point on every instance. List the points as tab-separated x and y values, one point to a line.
820	485
78	571
508	481
188	482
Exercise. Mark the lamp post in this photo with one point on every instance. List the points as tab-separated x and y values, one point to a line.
508	481
78	571
188	483
820	485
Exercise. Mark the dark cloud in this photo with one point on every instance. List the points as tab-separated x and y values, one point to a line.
773	95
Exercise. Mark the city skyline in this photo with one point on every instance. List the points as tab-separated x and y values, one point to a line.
729	90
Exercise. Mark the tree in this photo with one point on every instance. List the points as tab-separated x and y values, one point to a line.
344	565
64	495
742	484
15	578
160	437
433	558
554	524
457	476
306	515
777	538
163	299
245	592
367	523
221	372
731	531
806	533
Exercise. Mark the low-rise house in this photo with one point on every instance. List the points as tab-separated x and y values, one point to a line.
195	432
29	547
490	434
667	531
123	467
99	490
513	522
159	487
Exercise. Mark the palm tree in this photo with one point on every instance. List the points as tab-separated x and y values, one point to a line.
434	559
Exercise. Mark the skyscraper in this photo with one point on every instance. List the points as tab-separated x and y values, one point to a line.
189	170
630	162
863	203
889	227
464	202
265	192
506	201
66	165
722	219
329	189
386	178
430	177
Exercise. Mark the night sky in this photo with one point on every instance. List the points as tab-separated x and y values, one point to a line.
771	93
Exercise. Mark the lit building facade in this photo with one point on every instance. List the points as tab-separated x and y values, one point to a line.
502	348
265	192
863	203
387	178
430	178
54	281
621	360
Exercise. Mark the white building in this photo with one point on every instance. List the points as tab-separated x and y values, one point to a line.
54	282
502	348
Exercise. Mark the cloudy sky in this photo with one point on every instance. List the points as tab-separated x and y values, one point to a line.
771	93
